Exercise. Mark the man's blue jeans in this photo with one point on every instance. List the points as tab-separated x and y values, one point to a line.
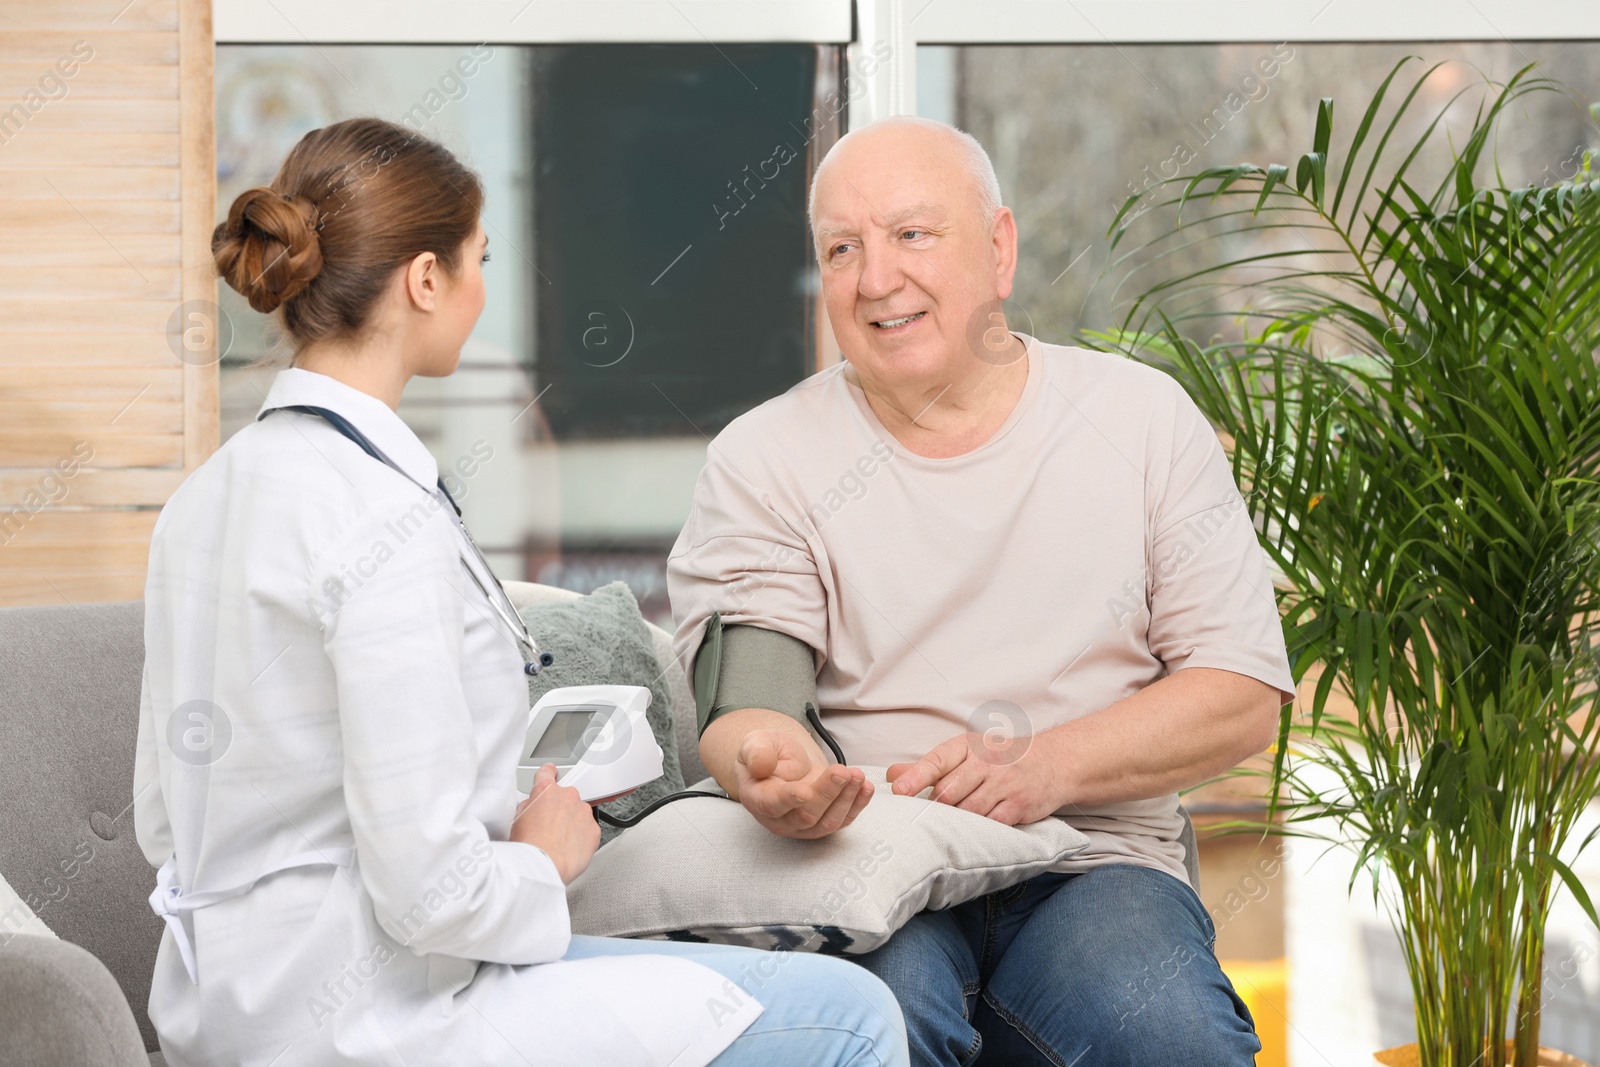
1110	967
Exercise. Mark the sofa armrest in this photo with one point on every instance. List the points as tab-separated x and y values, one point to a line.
59	1005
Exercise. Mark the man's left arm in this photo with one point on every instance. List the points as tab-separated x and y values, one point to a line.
1213	621
1175	733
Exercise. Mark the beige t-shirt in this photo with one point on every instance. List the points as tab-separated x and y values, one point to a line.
1094	544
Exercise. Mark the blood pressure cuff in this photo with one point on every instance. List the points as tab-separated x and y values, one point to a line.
753	667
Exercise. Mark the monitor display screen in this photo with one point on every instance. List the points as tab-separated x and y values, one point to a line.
571	730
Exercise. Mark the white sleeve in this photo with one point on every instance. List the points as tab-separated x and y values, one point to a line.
394	617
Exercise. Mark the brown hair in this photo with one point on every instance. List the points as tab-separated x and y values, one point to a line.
351	203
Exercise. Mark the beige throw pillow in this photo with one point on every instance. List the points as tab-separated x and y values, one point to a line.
702	869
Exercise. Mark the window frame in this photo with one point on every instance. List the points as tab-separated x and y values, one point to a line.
880	37
891	30
531	21
909	23
1246	21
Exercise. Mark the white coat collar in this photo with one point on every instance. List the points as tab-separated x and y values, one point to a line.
366	413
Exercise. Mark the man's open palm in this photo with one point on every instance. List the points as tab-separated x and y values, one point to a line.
791	790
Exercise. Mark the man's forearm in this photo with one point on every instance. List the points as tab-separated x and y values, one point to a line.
1178	732
719	745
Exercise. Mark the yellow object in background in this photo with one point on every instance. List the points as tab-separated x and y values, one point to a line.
1263	985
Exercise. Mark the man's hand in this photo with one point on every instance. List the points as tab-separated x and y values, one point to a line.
784	782
1174	733
1011	781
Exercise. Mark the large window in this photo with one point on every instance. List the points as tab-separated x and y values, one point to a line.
1075	129
651	276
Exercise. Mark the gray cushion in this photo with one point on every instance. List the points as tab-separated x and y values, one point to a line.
602	639
60	1007
69	716
527	594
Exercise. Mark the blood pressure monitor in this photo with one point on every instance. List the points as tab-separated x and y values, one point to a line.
596	735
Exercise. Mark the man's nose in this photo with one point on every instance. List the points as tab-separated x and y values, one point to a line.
881	275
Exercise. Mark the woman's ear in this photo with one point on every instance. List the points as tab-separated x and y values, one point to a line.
422	281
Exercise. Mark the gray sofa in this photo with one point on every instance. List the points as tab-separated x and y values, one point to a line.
69	708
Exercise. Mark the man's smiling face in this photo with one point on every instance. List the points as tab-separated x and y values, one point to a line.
908	264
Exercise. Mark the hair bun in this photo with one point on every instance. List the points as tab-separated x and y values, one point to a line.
267	249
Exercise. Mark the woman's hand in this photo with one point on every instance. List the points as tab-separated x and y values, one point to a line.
555	819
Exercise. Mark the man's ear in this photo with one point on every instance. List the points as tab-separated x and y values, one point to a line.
1004	236
422	281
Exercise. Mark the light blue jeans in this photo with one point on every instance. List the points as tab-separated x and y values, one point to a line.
820	1011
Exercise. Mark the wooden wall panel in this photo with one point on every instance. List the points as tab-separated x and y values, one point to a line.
60	15
84	185
107	201
91	283
100	487
25	248
112	148
105	216
113	45
45	349
104	384
92	82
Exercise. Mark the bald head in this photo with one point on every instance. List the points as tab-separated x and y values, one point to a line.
894	142
915	253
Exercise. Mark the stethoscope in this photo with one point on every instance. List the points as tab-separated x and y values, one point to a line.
533	661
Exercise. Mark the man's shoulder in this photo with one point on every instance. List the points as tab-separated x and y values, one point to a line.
803	415
1109	370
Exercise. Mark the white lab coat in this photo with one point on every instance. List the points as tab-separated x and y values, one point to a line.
329	727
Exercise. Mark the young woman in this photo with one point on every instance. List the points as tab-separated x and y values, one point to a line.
334	699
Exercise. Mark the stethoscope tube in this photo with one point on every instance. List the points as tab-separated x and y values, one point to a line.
639	816
533	660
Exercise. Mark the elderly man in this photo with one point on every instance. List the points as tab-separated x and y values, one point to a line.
1018	573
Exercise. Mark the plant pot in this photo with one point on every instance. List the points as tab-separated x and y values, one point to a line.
1406	1056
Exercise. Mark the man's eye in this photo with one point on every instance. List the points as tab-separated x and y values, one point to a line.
913	234
838	248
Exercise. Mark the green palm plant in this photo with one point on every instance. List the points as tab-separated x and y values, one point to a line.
1414	414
